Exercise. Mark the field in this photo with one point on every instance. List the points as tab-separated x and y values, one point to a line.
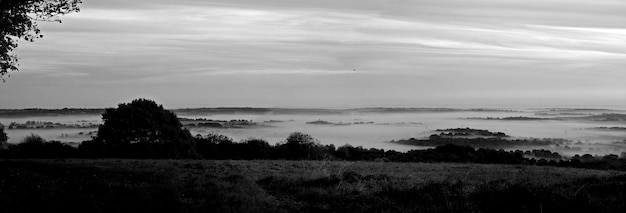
304	186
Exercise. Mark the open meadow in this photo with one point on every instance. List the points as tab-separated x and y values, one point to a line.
117	185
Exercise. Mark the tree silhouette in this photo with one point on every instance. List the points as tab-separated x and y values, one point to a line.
300	146
213	146
34	146
142	129
3	137
18	21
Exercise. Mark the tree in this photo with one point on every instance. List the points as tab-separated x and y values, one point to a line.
3	137
142	129
18	20
255	148
301	146
34	146
213	145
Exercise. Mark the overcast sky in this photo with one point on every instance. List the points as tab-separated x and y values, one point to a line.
303	53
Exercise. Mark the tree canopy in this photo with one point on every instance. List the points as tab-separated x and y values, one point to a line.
3	136
18	20
303	146
142	129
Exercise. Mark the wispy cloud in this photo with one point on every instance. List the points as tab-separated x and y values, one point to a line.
135	43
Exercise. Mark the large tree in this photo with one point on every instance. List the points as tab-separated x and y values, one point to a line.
18	20
141	129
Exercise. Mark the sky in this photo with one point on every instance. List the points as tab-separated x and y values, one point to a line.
327	53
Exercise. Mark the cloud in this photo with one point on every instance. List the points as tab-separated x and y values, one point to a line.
134	44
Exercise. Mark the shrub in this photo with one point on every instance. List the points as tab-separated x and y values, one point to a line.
213	145
34	146
256	149
300	146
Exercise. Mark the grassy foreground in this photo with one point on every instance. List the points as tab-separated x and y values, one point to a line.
302	186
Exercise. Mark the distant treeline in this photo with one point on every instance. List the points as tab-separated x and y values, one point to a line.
48	112
480	142
477	138
142	129
49	125
517	118
604	117
301	146
241	110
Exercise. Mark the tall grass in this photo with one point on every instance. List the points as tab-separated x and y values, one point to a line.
116	185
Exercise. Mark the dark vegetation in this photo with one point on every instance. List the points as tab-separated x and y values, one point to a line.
18	21
287	111
319	178
49	125
117	185
323	122
520	118
613	128
48	112
604	117
250	110
517	118
140	129
143	129
301	146
34	146
470	132
491	142
3	138
202	122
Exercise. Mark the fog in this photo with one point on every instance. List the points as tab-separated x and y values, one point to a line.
377	129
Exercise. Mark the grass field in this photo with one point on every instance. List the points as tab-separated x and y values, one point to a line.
302	186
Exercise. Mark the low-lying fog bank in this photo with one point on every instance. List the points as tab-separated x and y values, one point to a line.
594	131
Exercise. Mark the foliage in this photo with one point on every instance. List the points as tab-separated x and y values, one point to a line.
212	146
33	139
141	129
61	186
115	185
257	149
216	146
3	137
18	21
469	132
300	145
34	146
496	142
